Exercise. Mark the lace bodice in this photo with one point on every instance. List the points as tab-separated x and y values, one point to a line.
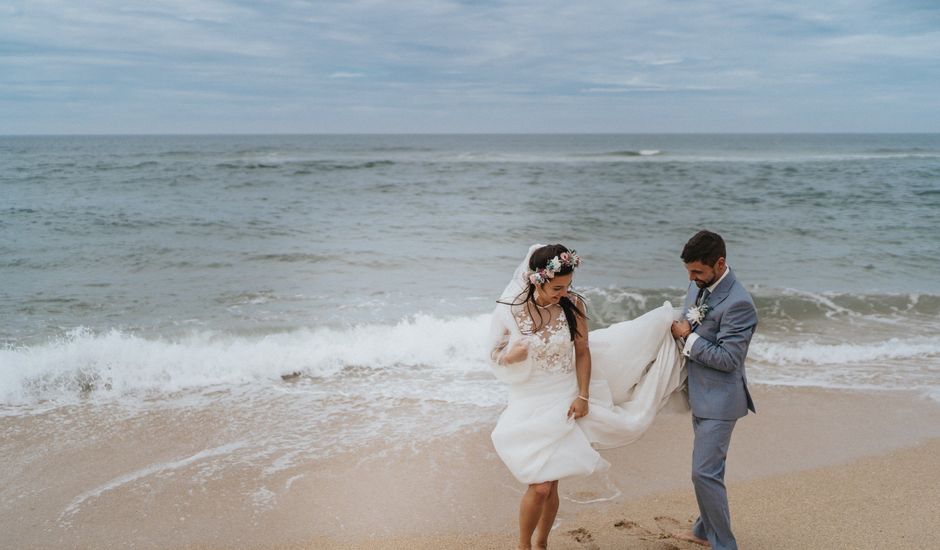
550	348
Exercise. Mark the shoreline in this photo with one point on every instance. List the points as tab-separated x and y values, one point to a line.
151	482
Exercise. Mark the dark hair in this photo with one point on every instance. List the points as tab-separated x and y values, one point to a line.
539	260
705	247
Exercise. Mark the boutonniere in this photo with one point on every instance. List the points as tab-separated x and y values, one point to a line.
696	314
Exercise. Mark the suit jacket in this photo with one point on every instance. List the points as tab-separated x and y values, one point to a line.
717	380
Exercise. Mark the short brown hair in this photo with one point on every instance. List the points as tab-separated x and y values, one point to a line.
705	247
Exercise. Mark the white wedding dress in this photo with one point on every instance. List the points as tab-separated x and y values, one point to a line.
636	368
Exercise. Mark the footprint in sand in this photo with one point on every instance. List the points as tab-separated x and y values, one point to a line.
632	527
584	537
667	524
668	527
581	534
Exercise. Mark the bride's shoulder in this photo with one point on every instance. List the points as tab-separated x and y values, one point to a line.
519	310
513	309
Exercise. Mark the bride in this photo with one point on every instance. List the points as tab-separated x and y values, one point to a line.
559	411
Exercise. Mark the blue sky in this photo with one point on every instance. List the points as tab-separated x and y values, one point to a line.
195	66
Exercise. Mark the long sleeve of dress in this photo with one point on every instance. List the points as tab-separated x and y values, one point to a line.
503	334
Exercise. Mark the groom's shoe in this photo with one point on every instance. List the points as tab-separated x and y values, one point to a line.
690	537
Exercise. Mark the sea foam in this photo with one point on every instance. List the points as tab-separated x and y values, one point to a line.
417	356
813	353
116	363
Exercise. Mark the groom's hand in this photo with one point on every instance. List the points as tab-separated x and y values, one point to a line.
681	329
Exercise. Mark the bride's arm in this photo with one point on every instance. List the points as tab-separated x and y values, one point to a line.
497	350
503	351
582	365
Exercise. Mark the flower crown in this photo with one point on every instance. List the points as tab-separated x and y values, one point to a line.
565	259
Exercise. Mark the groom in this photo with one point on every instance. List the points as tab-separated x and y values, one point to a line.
718	322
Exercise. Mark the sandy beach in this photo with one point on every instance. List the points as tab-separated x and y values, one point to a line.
886	501
814	469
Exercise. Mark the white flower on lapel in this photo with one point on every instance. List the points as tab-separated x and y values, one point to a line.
696	314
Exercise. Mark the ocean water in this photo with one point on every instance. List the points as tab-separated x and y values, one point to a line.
348	279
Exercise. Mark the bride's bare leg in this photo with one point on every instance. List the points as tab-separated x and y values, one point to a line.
530	510
549	511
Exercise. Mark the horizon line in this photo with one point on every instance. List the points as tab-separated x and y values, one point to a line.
248	134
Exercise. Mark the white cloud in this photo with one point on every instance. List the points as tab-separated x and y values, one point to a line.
923	46
648	88
548	59
655	60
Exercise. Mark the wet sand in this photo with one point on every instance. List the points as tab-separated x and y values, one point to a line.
887	501
814	469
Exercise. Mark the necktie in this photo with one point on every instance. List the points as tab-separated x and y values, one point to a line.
702	296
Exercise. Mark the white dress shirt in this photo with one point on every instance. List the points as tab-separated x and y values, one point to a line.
687	349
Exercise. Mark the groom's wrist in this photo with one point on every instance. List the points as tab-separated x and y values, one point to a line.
689	342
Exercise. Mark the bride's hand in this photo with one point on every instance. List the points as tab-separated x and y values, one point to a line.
517	352
578	409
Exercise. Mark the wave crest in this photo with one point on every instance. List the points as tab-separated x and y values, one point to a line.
115	363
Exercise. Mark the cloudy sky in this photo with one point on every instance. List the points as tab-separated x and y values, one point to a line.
293	66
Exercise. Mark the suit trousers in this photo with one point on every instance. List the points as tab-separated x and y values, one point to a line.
709	452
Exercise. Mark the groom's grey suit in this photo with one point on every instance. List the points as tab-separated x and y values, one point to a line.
718	395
